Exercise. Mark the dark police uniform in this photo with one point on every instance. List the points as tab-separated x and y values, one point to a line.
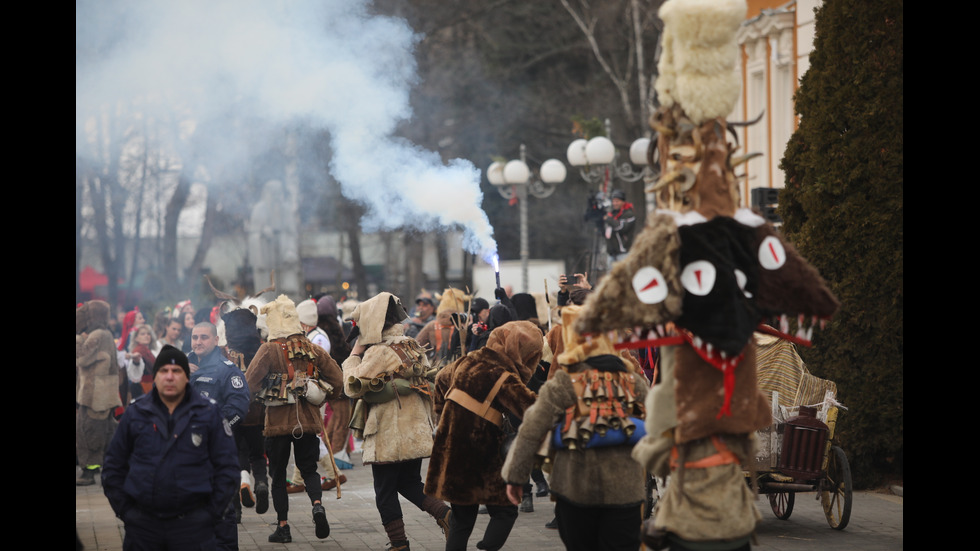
170	477
220	380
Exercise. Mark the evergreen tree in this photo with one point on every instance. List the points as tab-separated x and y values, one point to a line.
842	207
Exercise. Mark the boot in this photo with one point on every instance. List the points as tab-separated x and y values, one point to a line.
320	519
87	478
543	489
527	503
440	511
396	535
261	497
281	535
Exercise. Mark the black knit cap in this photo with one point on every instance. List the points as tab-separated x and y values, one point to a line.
171	355
479	305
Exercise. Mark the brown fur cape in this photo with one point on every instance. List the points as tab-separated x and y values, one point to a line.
465	464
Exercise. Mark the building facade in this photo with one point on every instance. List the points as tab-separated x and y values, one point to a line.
776	41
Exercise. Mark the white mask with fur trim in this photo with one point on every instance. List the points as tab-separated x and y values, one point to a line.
282	318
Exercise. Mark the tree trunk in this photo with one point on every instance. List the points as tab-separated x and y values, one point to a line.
193	273
174	207
357	262
392	265
134	260
414	253
442	252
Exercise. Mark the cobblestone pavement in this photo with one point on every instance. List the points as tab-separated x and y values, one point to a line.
876	523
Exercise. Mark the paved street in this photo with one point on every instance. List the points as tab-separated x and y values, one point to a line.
876	524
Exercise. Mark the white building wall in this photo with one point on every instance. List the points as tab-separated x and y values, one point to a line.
776	45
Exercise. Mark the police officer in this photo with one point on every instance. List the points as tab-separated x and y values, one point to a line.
171	467
220	380
217	377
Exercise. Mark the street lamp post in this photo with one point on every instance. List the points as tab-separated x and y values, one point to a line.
514	179
597	159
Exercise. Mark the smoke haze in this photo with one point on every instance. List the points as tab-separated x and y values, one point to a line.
329	64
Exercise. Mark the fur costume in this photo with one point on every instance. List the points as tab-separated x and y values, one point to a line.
452	300
601	476
465	465
289	345
437	335
400	429
397	427
97	379
589	477
701	277
95	360
697	64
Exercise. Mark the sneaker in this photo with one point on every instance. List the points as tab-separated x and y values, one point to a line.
281	535
397	546
248	500
527	504
483	510
261	498
553	525
320	519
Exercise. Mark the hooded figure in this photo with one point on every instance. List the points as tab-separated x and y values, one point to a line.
291	421
465	464
598	491
386	372
96	388
437	335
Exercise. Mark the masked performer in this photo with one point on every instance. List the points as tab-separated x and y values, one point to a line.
283	374
386	372
699	280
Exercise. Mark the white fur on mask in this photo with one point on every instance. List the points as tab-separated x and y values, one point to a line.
281	318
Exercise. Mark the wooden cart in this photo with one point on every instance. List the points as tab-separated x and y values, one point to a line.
797	453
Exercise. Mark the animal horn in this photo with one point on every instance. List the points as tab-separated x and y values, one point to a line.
220	294
741	159
272	278
747	123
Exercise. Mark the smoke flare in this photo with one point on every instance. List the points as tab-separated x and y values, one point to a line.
330	64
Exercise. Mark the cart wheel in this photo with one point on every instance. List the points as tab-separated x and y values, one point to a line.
836	496
782	504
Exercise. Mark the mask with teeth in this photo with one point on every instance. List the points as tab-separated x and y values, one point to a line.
704	274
